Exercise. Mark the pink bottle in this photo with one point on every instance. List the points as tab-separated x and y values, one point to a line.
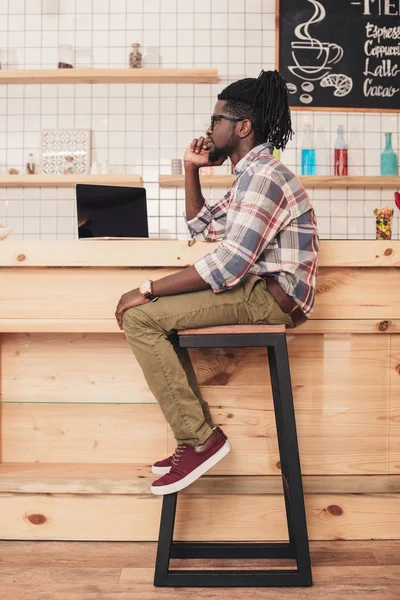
340	154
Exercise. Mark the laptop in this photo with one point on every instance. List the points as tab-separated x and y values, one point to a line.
111	212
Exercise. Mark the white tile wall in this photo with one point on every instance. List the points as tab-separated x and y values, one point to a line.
139	128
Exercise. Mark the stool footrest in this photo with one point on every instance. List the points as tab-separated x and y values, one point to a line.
232	550
229	578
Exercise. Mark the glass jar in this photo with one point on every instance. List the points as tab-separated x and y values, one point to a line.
135	57
68	167
176	166
384	218
30	164
65	56
152	57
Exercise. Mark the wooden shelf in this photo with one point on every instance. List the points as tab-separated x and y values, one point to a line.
44	181
109	76
171	181
351	182
225	181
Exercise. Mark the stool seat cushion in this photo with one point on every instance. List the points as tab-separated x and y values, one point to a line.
232	329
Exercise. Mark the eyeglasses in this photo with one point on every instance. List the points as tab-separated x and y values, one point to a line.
215	118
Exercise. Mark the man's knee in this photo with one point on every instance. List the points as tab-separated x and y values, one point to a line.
134	319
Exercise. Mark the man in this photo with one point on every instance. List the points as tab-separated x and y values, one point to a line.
264	270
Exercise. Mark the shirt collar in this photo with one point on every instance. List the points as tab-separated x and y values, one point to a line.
265	148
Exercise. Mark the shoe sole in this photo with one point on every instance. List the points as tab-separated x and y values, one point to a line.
191	477
160	470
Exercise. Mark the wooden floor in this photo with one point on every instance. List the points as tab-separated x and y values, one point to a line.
124	571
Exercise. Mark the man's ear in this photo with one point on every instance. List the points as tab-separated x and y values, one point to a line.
245	128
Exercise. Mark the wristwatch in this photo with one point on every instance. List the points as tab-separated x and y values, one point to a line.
146	289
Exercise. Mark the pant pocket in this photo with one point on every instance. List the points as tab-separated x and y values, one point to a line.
263	307
249	283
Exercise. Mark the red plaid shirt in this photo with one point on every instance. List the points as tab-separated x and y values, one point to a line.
267	226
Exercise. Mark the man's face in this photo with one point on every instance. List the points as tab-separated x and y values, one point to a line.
222	132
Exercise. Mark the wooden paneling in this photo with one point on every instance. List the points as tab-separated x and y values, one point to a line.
320	326
68	293
136	479
83	433
1	387
342	409
80	401
394	383
174	253
342	293
357	293
229	517
75	368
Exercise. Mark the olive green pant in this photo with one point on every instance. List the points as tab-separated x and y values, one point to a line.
168	370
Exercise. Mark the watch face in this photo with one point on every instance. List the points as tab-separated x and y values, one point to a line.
145	288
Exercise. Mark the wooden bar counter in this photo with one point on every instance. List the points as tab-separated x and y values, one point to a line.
80	429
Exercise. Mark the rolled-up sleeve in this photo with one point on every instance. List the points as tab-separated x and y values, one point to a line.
200	222
257	213
210	223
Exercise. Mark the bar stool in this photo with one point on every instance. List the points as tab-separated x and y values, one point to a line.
274	339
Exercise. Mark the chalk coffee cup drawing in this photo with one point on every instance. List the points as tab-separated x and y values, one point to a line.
313	59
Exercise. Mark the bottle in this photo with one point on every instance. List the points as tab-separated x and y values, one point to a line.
340	154
389	158
135	57
308	166
30	165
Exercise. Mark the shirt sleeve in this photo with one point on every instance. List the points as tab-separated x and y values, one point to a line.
258	213
210	223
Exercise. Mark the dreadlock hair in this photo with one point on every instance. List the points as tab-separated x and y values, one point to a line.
263	100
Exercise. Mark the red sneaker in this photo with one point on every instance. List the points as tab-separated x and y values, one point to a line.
190	462
161	467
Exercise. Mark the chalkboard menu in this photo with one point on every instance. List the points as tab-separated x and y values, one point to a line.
341	54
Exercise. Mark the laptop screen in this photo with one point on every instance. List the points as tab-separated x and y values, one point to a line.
107	211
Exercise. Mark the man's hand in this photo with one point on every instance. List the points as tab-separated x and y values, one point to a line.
197	154
128	300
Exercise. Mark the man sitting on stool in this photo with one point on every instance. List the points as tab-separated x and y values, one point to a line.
263	271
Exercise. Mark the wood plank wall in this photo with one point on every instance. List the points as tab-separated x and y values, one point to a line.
76	402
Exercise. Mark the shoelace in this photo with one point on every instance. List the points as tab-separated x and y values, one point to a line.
177	455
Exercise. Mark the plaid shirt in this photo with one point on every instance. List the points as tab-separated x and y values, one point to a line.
267	226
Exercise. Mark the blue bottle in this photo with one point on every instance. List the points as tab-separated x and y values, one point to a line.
308	162
388	158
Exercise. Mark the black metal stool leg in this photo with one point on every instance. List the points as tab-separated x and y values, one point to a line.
165	538
287	426
281	445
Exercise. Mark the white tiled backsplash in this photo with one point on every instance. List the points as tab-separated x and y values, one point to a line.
139	128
